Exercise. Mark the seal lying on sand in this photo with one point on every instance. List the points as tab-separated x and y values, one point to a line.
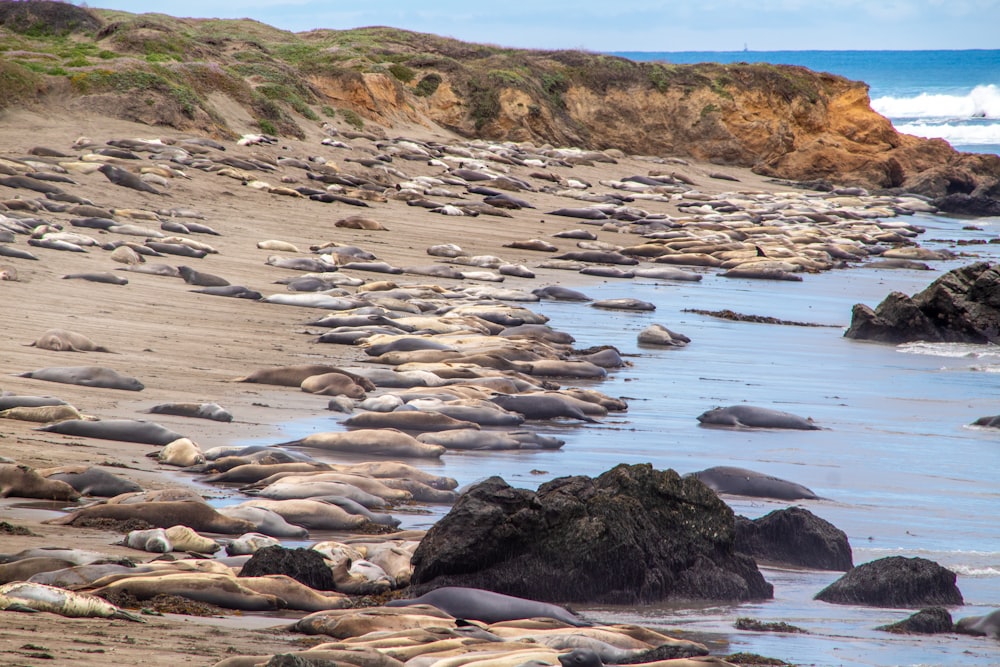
749	416
489	607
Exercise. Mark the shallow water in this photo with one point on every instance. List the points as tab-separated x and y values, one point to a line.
902	472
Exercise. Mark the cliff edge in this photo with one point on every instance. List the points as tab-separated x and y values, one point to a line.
228	77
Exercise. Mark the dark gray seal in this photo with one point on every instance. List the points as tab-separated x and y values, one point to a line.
541	406
749	416
743	482
126	179
91	480
123	430
988	625
212	411
490	607
201	279
559	293
105	277
86	376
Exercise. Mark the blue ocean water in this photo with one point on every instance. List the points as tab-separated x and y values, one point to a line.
950	95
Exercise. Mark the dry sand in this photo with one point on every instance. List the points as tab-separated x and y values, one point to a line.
187	347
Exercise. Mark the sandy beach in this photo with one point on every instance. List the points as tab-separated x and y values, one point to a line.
188	347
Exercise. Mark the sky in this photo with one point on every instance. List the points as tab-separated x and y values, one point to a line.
632	25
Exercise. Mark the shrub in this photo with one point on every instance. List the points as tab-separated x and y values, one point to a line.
352	118
402	72
428	85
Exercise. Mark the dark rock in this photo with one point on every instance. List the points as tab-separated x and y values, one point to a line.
304	565
666	652
930	621
895	582
962	306
634	535
794	536
964	204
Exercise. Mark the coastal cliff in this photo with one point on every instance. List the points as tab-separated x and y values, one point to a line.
231	77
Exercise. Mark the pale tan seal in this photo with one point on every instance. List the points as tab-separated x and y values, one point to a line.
61	340
23	482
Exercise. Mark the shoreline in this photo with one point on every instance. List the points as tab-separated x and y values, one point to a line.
189	347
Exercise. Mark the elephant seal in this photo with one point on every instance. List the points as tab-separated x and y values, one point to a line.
103	277
541	406
16	401
20	481
360	222
123	430
182	452
218	589
490	607
380	442
126	179
292	376
201	279
407	420
42	414
624	304
91	480
657	334
153	540
197	516
265	521
311	514
749	416
664	273
332	384
60	340
532	244
988	625
232	291
743	482
39	597
86	376
212	411
251	543
560	293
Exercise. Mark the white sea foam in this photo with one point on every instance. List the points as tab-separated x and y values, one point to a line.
957	134
981	102
969	571
953	350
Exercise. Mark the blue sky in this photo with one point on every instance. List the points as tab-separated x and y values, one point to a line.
633	25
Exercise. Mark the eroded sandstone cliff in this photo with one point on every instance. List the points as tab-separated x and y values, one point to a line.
236	76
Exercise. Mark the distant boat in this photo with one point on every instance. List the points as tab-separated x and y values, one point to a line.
745	49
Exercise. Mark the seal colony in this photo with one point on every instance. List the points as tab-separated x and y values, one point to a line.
415	331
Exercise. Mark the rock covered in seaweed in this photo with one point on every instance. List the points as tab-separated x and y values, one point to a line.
633	535
895	581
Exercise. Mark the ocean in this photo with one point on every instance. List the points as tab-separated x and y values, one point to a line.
899	467
950	95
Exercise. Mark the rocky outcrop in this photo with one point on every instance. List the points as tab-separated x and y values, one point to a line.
895	582
962	306
930	621
794	536
304	565
633	535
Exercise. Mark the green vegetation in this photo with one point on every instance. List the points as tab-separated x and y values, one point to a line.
402	72
352	118
266	126
281	77
428	85
17	83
